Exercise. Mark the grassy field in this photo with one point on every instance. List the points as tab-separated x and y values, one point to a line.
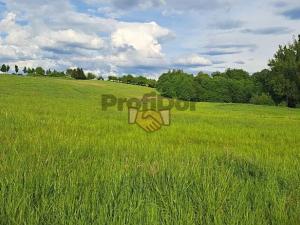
64	161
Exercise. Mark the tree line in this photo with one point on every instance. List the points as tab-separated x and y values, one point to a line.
77	73
277	85
130	79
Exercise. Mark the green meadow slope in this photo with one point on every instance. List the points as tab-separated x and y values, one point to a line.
64	161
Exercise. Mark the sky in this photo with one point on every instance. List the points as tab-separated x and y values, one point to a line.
146	37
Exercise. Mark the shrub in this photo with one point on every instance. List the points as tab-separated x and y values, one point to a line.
91	76
263	99
282	104
40	71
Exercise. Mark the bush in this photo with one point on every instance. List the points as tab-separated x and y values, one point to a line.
282	104
40	71
263	99
113	78
151	83
91	76
55	73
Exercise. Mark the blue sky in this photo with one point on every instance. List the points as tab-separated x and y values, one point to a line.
145	36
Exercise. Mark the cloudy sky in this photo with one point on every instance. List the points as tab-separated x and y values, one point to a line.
145	36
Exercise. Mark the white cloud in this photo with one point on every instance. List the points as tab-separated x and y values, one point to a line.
16	35
17	43
71	38
138	42
8	22
58	36
8	52
127	4
193	60
164	4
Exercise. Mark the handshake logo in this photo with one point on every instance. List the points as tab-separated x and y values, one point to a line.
151	113
149	120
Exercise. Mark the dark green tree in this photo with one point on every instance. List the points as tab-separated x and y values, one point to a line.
113	78
140	80
177	84
3	68
91	76
151	83
77	74
285	67
40	71
48	72
128	79
69	72
231	86
31	70
236	74
16	69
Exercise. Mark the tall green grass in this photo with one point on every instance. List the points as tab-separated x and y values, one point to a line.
64	161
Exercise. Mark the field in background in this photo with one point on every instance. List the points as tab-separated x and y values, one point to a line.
64	161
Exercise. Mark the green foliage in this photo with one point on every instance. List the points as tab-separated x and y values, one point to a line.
113	78
151	83
285	67
5	68
261	80
214	89
236	74
77	74
282	104
241	90
31	71
91	76
142	81
177	84
55	73
69	72
231	86
129	79
16	69
202	75
262	99
40	71
280	83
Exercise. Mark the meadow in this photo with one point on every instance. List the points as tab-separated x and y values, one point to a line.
65	161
